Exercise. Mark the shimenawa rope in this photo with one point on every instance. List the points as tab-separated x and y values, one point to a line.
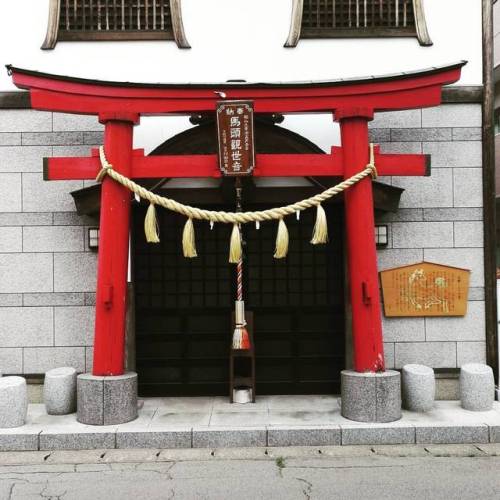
320	233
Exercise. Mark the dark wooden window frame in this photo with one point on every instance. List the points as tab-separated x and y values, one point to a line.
419	31
54	34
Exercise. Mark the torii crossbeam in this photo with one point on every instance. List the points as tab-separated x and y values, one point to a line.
120	105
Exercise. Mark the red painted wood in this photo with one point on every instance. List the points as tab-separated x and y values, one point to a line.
109	340
361	251
267	165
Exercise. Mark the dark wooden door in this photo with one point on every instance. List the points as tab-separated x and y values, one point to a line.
183	308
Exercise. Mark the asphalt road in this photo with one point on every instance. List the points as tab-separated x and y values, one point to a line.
382	472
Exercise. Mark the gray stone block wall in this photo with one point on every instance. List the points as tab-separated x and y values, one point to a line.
47	273
440	221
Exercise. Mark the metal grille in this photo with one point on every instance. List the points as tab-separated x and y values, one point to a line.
334	15
114	15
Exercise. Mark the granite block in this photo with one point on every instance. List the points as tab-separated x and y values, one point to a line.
10	193
10	139
403	329
80	150
22	440
422	192
77	440
419	387
90	399
52	138
468	234
11	239
73	219
26	272
433	354
93	138
53	239
90	298
13	402
25	120
26	326
23	158
476	293
74	325
150	438
11	299
11	360
377	434
443	434
39	195
470	327
67	121
53	299
378	135
420	134
25	219
477	387
402	215
389	355
75	272
494	434
120	398
471	352
207	437
422	234
303	436
41	359
397	119
89	355
448	214
401	147
454	153
371	397
465	258
467	134
59	391
452	115
388	257
467	187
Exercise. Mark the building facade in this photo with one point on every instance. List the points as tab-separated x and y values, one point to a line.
177	322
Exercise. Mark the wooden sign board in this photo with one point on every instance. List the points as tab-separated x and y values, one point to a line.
425	289
235	137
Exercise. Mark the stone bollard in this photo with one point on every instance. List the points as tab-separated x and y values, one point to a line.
477	387
59	391
419	387
13	402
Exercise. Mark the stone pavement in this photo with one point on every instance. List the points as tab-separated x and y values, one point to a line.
274	421
377	472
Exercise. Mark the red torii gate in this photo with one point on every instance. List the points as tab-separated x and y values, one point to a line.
119	107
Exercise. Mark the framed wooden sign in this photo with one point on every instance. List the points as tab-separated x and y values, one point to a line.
235	137
425	289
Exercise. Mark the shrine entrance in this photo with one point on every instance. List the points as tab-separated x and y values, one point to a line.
183	307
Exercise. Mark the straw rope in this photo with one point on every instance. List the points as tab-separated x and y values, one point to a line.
234	217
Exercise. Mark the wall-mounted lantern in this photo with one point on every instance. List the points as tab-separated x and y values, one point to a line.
93	238
381	235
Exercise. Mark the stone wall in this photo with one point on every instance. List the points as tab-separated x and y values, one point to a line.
440	220
47	273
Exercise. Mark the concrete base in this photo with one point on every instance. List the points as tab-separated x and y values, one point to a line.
106	400
371	397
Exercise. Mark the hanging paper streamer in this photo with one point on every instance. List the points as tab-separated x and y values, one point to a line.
188	240
151	225
281	241
235	250
320	233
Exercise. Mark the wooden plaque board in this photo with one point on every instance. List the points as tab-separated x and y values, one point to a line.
425	289
235	137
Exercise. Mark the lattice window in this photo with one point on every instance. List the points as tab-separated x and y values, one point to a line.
357	18
90	20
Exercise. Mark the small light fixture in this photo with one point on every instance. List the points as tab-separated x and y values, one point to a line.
381	235
93	238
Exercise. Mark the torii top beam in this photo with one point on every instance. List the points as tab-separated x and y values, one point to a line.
409	90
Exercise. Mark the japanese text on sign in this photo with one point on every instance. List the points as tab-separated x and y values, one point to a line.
235	137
